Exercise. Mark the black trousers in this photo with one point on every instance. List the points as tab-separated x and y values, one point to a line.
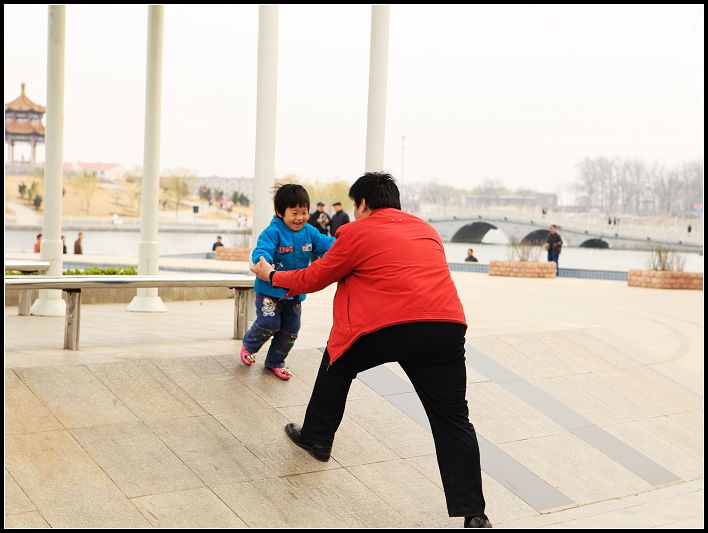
433	356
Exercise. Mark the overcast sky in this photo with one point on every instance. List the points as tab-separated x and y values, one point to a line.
517	93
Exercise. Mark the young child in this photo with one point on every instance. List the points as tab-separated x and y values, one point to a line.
288	243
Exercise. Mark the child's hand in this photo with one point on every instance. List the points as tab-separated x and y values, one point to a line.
262	269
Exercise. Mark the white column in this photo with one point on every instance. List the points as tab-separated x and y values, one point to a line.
50	302
378	77
147	300
265	119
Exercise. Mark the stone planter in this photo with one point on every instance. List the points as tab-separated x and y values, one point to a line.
233	254
665	279
523	269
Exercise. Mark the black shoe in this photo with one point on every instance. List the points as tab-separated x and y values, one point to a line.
321	453
477	521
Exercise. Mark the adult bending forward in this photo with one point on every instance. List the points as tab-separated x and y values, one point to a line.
395	301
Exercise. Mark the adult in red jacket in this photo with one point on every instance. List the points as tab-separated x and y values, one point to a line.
395	301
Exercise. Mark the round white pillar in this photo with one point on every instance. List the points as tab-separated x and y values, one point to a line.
378	77
50	302
147	300
264	174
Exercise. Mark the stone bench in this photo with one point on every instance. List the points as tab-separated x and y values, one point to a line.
72	285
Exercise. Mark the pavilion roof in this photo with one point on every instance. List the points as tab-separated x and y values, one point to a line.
24	128
22	103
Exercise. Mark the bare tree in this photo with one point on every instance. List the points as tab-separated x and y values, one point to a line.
86	184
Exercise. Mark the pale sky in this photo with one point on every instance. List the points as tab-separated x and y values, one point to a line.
515	93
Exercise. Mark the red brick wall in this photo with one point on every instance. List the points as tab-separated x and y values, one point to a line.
523	269
233	254
658	279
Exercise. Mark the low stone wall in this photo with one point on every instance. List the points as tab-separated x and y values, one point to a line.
124	295
233	254
523	269
662	279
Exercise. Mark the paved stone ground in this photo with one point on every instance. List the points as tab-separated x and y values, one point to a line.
587	397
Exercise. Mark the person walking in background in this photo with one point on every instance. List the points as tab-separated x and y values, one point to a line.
78	244
470	256
38	243
63	244
339	218
217	244
553	245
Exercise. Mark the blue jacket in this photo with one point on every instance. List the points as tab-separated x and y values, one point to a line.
288	250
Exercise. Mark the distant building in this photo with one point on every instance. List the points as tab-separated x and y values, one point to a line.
23	124
103	171
228	185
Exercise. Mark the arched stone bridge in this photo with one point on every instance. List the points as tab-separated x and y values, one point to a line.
473	230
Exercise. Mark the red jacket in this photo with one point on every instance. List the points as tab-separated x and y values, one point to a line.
391	269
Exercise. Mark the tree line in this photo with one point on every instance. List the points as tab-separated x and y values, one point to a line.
627	185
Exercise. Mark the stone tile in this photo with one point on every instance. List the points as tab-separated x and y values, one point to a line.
66	485
599	348
75	396
691	421
209	450
575	468
502	504
135	459
211	385
581	401
543	349
262	432
277	503
625	405
197	508
673	430
145	390
653	389
657	449
16	501
187	370
266	385
514	360
501	417
353	445
28	520
24	412
409	492
695	522
391	427
348	499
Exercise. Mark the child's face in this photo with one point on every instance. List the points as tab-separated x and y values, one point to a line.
295	217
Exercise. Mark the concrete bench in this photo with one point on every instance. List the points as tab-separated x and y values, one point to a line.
24	301
72	286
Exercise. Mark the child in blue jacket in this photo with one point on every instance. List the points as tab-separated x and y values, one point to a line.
288	243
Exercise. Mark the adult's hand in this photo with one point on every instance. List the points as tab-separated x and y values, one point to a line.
262	269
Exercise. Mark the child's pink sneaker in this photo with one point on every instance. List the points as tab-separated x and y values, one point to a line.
283	373
247	358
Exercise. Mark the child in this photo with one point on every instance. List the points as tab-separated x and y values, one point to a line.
289	243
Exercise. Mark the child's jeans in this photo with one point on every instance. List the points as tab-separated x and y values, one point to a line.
279	319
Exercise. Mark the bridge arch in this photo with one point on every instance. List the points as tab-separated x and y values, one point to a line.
472	233
595	243
536	237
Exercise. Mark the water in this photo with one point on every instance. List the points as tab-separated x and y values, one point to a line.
126	243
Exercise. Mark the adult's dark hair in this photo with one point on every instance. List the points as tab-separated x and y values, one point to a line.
290	195
39	235
378	189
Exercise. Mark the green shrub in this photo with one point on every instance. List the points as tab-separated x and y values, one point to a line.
99	271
